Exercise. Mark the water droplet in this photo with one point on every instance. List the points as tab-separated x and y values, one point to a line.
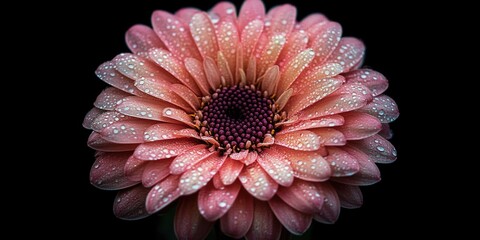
380	148
222	204
394	152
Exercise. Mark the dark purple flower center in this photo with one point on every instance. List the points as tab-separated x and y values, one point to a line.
238	117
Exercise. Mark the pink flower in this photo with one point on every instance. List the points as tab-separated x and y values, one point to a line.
254	120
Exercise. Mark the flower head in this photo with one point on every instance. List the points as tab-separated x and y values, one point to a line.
255	120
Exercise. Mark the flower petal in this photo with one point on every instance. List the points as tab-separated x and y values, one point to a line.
377	148
162	90
214	203
162	131
349	97
143	108
374	80
250	37
163	194
330	136
108	118
107	73
109	98
265	225
325	41
350	196
348	53
107	171
203	33
297	42
138	68
127	131
382	107
90	117
174	34
359	126
197	177
328	121
228	38
237	221
299	140
293	69
280	20
162	149
190	157
186	14
269	54
188	222
178	115
309	166
368	173
386	132
312	75
134	168
223	11
141	38
96	142
303	196
257	182
174	66
341	163
331	207
155	172
187	95
195	68
212	73
277	166
312	93
294	221
230	170
129	204
250	10
312	19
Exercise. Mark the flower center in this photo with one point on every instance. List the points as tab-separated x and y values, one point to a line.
237	117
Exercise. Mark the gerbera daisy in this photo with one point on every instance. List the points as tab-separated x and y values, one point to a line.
256	120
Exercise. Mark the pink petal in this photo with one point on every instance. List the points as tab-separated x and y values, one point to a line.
377	148
265	225
368	173
178	115
331	207
197	177
239	156
228	38
108	118
296	43
386	131
223	11
155	172
212	73
328	121
250	37
128	131
174	66
224	69
312	75
359	126
250	10
375	81
161	90
308	166
257	182
196	70
162	131
214	203
163	194
294	221
230	170
190	157
189	133
325	42
143	108
341	163
129	204
281	19
138	68
330	136
299	140
277	166
95	141
203	33
312	93
107	171
382	107
186	14
284	99
134	168
237	221
174	34
269	54
349	97
188	222
251	158
187	95
303	196
90	117
312	19
348	53
162	149
141	38
109	98
350	196
293	69
107	73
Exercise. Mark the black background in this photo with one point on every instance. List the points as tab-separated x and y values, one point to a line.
389	31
